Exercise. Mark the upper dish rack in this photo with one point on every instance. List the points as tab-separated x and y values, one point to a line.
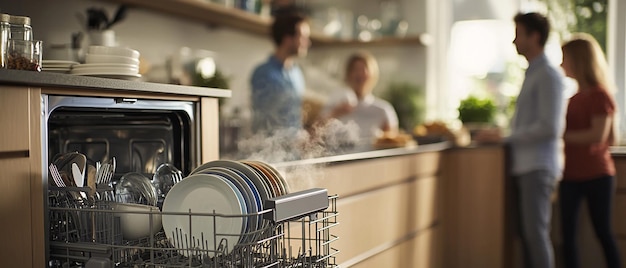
296	232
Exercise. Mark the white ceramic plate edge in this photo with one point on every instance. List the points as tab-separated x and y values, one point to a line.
210	186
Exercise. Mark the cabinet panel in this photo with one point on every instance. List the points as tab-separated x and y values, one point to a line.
419	252
473	217
371	221
350	178
15	213
209	124
14	117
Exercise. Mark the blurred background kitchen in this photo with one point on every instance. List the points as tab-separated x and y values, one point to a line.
442	51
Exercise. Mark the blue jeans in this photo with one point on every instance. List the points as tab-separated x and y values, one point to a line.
533	191
599	194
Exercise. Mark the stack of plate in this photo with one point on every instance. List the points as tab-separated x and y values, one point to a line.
57	66
109	62
223	187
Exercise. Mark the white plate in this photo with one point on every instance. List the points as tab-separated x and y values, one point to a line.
251	195
118	51
46	65
105	65
64	71
58	62
55	69
107	71
245	171
98	58
202	193
114	76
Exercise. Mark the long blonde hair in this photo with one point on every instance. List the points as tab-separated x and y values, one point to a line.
587	62
590	69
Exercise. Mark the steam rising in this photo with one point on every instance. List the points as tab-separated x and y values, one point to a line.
284	145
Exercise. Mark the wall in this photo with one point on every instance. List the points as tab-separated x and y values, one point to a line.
158	36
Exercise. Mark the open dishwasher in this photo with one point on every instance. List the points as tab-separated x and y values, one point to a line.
88	225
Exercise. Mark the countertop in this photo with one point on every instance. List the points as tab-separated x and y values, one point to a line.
47	79
434	147
618	151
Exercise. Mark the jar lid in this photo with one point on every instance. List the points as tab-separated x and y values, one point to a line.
19	20
5	17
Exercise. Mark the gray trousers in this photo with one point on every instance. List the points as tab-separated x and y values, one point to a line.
533	191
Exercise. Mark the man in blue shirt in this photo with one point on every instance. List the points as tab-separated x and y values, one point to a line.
278	84
535	133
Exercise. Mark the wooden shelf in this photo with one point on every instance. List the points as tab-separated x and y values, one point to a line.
215	14
324	41
204	11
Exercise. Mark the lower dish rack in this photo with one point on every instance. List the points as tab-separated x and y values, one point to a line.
294	230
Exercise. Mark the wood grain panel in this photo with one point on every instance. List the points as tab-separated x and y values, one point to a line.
368	221
37	184
419	252
473	207
354	177
15	214
14	118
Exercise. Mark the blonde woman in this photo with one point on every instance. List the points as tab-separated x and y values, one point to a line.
372	114
589	172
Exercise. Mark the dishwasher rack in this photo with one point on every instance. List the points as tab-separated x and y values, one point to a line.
292	233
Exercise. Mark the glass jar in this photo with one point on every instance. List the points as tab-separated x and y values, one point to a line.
24	55
4	38
20	28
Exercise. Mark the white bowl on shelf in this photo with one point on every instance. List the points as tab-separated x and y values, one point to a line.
104	58
137	225
116	51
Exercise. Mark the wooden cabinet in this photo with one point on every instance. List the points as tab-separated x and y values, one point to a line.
23	179
474	220
21	183
14	117
388	208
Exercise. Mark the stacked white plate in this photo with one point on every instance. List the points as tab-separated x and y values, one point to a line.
57	66
235	188
109	62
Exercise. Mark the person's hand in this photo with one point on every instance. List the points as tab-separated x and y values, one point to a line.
342	109
492	135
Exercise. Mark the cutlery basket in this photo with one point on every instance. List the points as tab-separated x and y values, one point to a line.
294	231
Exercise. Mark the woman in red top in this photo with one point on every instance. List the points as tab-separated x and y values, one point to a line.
589	170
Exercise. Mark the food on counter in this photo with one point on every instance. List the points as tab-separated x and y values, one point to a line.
440	131
392	139
432	129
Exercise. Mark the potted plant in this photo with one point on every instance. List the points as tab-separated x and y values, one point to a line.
476	113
